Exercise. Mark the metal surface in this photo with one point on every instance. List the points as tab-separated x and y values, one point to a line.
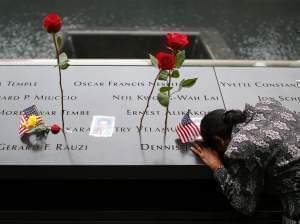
129	44
119	92
121	156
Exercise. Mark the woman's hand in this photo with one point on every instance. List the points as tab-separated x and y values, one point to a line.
209	156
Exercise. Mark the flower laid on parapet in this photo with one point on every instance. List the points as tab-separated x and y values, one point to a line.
32	123
169	65
52	24
55	129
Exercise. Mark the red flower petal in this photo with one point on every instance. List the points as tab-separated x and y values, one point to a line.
52	23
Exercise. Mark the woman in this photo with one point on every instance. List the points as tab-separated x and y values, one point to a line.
246	150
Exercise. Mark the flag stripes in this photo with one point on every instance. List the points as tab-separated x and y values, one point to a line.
24	117
187	130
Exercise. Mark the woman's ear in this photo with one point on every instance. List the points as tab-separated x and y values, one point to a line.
221	143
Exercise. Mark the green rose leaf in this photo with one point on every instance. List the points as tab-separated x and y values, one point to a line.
64	66
175	74
163	75
186	83
59	42
63	58
163	99
180	57
63	61
165	89
153	60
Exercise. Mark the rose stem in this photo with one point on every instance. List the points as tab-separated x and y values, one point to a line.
167	109
60	85
148	100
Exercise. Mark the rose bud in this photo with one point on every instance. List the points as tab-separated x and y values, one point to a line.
165	61
55	128
52	23
177	41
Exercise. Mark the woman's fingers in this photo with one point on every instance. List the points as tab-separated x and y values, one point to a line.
196	146
208	156
196	151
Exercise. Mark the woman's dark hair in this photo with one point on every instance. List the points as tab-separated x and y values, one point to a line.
220	123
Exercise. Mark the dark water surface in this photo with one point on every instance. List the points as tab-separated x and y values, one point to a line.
253	29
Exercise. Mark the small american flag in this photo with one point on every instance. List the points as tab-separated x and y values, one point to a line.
187	130
25	115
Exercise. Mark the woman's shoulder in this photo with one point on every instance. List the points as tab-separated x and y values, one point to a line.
272	105
273	115
271	102
252	140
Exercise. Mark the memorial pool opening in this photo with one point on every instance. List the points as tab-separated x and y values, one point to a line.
118	44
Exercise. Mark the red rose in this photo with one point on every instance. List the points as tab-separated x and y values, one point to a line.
177	41
52	23
165	61
55	128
